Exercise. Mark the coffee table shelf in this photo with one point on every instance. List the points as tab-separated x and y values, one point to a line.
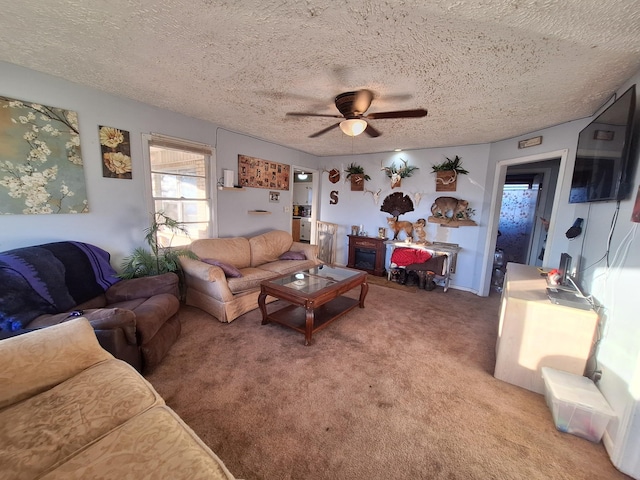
314	298
294	316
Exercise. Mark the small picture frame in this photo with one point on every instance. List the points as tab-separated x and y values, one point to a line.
606	135
274	197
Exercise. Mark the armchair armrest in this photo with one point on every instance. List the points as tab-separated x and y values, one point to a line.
143	287
99	318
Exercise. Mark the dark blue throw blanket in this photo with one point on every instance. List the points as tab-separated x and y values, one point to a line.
50	278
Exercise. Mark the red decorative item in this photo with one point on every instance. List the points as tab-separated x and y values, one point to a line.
406	256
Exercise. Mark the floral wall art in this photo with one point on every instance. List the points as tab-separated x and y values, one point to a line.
116	153
41	170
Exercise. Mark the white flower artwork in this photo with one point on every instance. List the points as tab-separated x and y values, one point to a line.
41	170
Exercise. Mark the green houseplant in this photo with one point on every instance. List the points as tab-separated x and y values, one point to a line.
450	164
447	174
357	176
157	259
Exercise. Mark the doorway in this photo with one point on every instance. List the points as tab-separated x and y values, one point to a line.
304	200
551	167
527	198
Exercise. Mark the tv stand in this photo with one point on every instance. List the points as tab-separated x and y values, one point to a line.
535	333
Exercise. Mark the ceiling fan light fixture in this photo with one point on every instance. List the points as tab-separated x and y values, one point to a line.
353	126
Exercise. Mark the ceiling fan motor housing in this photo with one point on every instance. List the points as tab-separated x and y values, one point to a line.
354	104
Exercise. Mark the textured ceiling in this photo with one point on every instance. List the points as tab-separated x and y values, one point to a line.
484	69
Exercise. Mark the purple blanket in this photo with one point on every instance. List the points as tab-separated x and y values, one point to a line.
50	278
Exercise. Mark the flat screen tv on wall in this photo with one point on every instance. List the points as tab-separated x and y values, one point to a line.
606	154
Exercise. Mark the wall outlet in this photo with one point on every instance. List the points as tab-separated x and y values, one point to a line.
286	209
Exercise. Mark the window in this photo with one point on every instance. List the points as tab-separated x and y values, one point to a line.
180	186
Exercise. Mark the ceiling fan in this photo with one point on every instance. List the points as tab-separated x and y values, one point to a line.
352	106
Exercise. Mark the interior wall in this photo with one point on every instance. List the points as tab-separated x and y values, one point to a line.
117	208
614	287
234	206
363	207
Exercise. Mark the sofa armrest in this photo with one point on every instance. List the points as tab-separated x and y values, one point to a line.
202	270
143	287
38	360
310	251
207	279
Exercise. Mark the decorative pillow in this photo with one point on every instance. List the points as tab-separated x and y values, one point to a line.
293	256
229	270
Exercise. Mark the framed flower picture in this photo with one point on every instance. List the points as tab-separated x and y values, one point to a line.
41	169
116	152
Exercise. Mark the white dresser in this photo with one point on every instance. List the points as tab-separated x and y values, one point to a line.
535	333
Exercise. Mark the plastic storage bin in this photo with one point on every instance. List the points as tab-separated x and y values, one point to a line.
577	405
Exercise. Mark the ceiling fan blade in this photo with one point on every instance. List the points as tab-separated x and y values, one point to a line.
372	132
418	112
305	114
322	132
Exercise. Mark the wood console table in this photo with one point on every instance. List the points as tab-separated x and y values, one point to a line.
368	254
535	333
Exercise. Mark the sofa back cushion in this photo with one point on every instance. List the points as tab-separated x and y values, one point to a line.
234	251
269	246
51	278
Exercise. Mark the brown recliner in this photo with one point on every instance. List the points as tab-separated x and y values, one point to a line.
135	320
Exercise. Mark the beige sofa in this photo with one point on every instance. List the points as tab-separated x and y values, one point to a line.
256	258
70	410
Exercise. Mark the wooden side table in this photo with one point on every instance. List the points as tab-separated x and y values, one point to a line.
368	254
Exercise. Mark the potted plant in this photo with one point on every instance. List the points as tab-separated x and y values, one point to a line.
396	174
357	176
447	174
157	259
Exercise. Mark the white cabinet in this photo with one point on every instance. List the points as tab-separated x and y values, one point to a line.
302	193
305	229
535	333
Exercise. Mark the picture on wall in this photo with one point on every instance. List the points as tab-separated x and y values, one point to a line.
258	173
41	169
116	152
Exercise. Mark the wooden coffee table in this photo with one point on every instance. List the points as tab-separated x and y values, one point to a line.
314	296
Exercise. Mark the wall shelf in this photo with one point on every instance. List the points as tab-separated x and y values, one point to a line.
452	222
259	212
239	189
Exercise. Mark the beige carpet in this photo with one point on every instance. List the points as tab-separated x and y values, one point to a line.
402	389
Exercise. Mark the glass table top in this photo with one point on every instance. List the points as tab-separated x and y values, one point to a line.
314	279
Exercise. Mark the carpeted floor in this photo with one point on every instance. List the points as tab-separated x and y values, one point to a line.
402	389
